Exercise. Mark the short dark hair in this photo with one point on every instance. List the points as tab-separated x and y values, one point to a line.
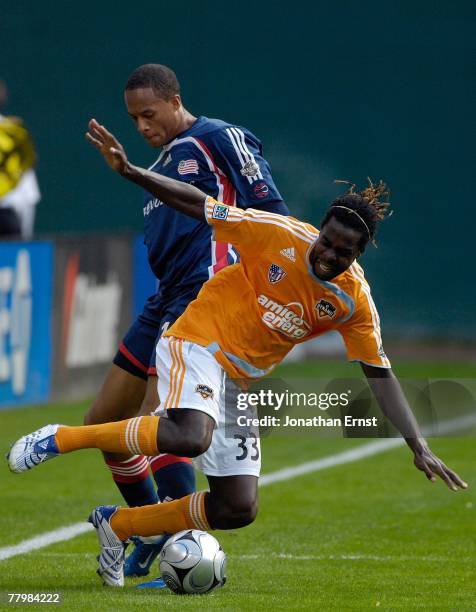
360	210
156	76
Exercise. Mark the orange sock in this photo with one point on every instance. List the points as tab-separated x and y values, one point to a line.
168	517
136	436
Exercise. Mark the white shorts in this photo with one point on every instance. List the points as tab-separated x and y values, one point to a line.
190	377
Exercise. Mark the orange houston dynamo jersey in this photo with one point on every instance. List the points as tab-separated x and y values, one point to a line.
251	314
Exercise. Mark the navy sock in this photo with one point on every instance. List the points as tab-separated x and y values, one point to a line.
141	493
174	480
133	480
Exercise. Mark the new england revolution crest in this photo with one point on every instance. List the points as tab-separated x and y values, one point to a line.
187	166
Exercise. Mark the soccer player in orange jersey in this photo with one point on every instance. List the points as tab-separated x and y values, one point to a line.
292	283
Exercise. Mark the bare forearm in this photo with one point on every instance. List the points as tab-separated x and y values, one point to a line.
183	197
394	405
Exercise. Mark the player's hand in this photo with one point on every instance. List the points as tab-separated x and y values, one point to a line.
109	147
426	461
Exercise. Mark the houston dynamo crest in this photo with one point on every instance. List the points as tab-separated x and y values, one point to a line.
325	309
205	391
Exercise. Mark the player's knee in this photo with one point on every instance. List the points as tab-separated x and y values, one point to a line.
195	442
244	514
236	513
250	512
190	432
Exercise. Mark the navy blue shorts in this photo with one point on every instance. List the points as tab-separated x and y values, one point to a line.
136	352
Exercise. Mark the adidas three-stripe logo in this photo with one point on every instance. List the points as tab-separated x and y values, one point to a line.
289	253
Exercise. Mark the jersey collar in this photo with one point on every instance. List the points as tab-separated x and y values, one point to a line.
184	134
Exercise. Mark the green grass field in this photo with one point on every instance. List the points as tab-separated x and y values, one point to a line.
369	534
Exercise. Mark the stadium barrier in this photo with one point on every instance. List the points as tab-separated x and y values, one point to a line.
64	306
26	280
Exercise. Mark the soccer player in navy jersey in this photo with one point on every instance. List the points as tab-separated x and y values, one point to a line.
226	162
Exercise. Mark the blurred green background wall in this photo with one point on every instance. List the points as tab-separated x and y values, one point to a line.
333	89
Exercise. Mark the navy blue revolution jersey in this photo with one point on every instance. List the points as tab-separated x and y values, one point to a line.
224	161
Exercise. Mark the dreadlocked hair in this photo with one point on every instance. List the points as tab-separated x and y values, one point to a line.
361	210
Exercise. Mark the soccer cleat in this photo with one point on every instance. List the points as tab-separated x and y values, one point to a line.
111	557
138	563
33	449
158	583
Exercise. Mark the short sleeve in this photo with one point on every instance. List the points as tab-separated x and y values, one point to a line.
361	333
244	229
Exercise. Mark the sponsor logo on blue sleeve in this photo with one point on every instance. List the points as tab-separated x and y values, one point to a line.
251	168
261	190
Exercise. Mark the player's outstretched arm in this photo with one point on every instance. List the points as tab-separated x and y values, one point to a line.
185	198
393	404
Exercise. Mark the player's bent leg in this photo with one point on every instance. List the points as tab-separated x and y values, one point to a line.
116	525
169	517
232	502
187	433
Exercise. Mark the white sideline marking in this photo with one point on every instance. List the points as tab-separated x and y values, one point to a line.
347	557
287	556
361	452
45	539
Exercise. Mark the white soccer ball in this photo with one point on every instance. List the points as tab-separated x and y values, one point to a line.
192	562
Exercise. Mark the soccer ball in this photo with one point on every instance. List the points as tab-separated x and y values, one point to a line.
192	562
